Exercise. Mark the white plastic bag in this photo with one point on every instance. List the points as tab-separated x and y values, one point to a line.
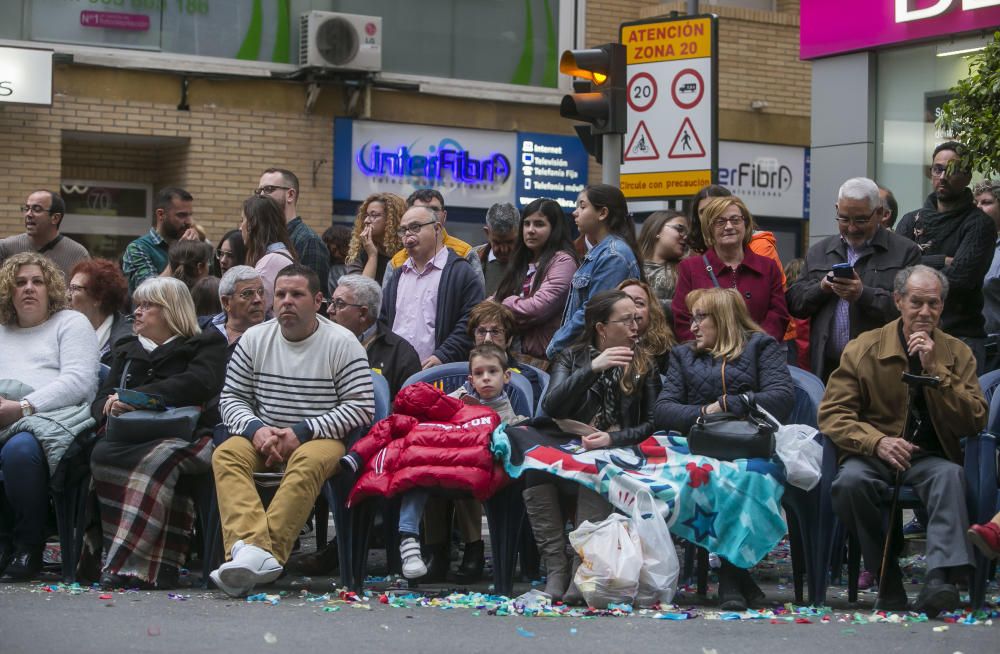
610	561
802	455
660	568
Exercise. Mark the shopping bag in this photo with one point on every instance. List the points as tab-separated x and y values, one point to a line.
660	568
610	561
798	450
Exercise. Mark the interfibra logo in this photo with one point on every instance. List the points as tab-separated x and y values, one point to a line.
448	158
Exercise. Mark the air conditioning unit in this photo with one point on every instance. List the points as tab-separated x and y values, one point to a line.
340	41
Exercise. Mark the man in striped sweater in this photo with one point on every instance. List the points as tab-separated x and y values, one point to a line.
296	386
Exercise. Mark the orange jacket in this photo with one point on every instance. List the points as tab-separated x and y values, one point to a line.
763	243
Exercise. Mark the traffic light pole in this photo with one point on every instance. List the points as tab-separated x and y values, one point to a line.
692	7
612	164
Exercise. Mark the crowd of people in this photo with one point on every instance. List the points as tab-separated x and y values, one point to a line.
272	336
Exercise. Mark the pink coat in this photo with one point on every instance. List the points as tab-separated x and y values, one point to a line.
539	315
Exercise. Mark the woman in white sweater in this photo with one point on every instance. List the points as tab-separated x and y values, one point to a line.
50	359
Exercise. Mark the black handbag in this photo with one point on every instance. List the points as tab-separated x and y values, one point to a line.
727	436
141	426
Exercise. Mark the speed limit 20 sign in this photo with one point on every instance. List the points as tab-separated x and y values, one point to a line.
641	91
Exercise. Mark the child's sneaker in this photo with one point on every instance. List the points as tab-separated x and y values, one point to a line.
413	565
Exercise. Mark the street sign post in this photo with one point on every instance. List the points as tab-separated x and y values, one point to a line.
672	83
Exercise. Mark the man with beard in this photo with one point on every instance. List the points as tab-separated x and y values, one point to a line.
173	220
43	213
956	238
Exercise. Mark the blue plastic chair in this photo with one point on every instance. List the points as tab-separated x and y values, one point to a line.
449	376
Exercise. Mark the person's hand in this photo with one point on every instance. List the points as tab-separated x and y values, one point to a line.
896	452
619	356
825	285
596	441
264	438
115	407
714	407
846	289
10	412
108	403
190	234
430	362
367	243
285	442
949	260
921	344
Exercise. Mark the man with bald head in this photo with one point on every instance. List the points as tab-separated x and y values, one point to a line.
879	432
428	298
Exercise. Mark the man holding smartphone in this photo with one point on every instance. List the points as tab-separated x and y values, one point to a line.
847	285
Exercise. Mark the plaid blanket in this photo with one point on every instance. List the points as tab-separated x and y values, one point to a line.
146	524
732	508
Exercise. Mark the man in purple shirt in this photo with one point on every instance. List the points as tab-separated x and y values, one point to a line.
427	300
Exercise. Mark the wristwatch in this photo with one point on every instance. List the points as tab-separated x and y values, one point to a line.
26	408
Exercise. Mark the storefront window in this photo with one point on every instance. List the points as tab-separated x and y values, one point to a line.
913	83
504	41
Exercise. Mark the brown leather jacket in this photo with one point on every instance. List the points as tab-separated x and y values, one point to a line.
866	400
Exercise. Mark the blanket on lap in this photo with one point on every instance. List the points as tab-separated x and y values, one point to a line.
732	508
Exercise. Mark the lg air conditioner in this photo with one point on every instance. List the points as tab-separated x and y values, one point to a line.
337	41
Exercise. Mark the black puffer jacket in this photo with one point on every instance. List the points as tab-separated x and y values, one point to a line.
575	393
185	372
694	380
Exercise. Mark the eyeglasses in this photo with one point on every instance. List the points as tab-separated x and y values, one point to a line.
374	216
627	320
857	221
224	254
34	208
75	288
269	189
680	229
145	306
340	305
732	220
698	318
412	228
491	333
250	293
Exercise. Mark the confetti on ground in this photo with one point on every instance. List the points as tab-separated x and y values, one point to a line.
524	632
152	630
270	638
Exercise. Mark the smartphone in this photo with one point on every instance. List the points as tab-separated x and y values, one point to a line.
842	270
141	400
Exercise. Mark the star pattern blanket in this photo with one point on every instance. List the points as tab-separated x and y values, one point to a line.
732	508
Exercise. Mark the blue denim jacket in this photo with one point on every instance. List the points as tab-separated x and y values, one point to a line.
606	266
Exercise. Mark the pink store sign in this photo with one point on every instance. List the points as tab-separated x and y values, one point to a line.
829	27
115	20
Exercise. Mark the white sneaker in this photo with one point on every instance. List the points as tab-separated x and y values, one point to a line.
232	591
413	565
250	565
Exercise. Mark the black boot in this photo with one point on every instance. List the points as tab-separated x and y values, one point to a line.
26	564
470	570
438	559
937	595
730	594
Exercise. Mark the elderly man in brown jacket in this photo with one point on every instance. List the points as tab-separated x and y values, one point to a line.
864	412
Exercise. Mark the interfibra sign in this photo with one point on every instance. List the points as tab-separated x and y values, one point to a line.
470	167
771	179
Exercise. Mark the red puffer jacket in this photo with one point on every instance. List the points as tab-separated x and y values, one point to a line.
431	440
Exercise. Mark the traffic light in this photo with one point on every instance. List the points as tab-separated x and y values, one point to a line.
599	97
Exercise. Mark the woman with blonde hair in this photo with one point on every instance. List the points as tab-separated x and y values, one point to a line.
730	358
375	240
146	524
48	378
727	227
655	335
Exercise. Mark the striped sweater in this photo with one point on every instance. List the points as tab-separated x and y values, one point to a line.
321	387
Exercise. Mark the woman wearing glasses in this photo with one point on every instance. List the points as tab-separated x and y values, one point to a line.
269	248
730	356
607	381
537	281
663	243
146	525
375	240
727	228
98	290
231	251
48	381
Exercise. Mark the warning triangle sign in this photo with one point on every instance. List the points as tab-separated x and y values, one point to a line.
641	147
687	144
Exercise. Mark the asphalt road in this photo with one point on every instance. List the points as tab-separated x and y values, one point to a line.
35	621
